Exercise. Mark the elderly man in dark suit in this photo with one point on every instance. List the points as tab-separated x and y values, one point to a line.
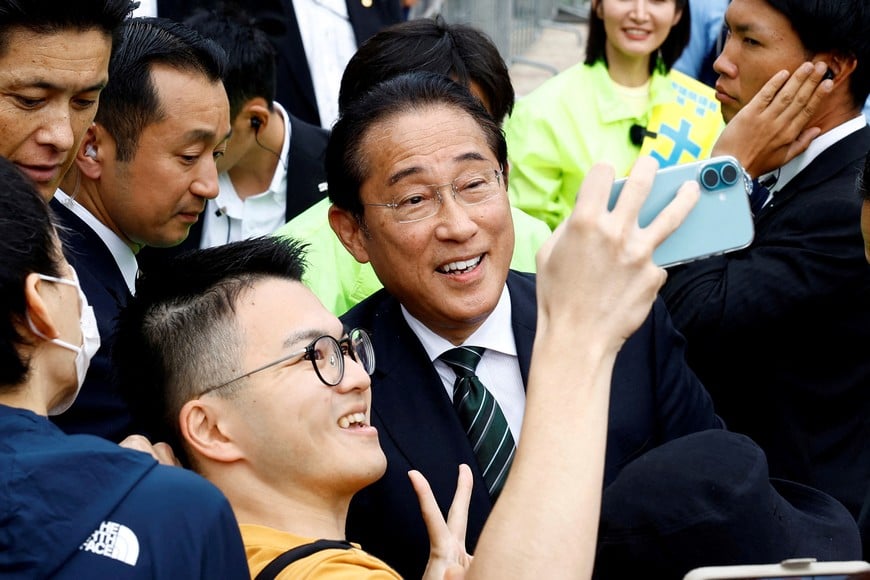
443	253
778	332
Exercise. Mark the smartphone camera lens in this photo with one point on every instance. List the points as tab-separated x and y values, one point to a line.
729	174
710	177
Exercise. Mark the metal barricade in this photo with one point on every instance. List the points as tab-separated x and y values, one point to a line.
513	25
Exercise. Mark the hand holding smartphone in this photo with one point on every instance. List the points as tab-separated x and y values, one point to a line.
720	222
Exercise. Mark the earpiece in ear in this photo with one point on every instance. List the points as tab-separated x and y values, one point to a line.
90	151
256	123
829	74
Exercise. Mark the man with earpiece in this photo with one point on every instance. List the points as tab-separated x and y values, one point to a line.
273	168
778	331
141	177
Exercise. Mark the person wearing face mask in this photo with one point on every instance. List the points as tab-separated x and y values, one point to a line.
78	506
90	338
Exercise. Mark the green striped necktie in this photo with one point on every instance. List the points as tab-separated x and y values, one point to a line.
482	418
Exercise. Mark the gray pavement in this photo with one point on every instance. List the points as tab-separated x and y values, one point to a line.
559	46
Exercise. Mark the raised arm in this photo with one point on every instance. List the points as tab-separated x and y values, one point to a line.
596	279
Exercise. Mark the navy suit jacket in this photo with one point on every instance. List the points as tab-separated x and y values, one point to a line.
779	332
295	89
305	172
654	398
100	408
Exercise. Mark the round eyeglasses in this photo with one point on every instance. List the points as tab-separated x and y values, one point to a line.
327	357
424	201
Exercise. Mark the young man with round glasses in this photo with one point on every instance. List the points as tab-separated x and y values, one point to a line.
231	360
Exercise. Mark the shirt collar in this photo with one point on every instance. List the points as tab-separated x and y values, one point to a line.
124	256
228	199
788	171
279	179
496	332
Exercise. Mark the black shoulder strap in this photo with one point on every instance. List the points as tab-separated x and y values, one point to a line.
282	561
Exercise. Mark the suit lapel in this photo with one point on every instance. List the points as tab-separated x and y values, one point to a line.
367	17
524	317
845	152
293	56
86	251
412	410
412	404
306	170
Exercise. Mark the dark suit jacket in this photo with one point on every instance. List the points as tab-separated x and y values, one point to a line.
655	398
779	332
99	409
305	172
295	90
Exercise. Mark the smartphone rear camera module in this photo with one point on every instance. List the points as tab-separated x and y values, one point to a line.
710	177
729	174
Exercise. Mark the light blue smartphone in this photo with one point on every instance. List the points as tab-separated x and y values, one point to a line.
720	222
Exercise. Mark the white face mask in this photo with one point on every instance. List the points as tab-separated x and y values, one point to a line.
90	339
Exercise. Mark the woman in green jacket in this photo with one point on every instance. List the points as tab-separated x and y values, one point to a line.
622	101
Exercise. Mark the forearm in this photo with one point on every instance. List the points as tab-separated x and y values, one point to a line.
596	284
559	465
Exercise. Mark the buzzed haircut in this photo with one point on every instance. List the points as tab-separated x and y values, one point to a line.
178	335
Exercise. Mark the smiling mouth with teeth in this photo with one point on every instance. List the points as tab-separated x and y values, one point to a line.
460	266
353	420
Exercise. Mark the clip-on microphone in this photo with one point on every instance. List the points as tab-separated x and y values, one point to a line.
637	133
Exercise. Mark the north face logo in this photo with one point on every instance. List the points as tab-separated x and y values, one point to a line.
113	541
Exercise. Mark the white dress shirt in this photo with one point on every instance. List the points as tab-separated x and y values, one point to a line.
499	368
146	8
329	42
124	256
229	218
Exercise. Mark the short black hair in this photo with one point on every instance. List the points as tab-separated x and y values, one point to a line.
52	16
130	102
28	245
347	164
669	51
459	51
176	335
838	26
250	54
